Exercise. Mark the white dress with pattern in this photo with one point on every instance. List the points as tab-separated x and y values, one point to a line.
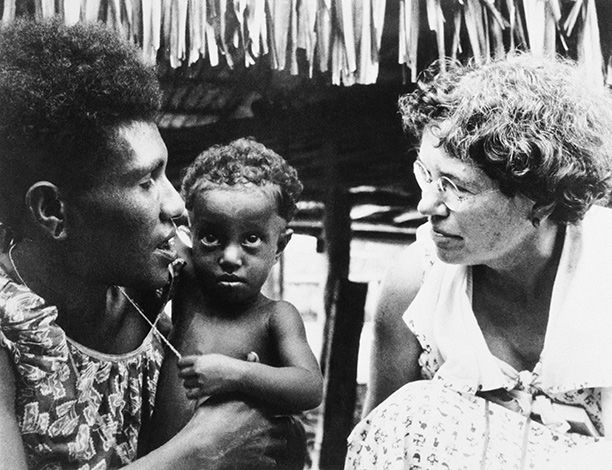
444	423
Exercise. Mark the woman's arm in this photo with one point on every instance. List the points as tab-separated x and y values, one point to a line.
12	454
222	435
395	350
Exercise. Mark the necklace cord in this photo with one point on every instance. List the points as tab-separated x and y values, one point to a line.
15	270
150	323
123	292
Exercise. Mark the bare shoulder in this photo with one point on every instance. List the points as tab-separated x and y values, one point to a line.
401	282
279	307
7	378
282	312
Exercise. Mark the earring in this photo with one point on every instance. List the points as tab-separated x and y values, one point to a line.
7	238
58	232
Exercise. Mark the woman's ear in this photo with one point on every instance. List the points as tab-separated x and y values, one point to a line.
45	206
283	239
539	212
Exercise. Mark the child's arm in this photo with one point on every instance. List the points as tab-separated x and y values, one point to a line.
295	386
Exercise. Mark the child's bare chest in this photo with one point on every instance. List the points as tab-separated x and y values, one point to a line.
235	337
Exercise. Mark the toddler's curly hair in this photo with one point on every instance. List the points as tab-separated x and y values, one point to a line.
534	124
243	162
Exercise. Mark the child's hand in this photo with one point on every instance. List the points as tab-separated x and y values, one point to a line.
208	374
182	245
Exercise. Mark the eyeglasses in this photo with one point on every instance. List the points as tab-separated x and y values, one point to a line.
454	198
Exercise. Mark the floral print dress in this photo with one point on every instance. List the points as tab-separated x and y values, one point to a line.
474	411
76	408
429	425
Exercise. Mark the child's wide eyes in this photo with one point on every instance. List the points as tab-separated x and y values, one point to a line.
209	240
252	240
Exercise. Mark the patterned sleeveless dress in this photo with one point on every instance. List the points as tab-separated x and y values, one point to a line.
76	408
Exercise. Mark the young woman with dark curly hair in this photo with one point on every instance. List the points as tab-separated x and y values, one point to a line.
87	216
504	299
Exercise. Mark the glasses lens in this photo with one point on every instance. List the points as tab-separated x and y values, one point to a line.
452	197
421	174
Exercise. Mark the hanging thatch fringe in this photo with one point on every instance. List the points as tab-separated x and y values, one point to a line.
338	36
493	27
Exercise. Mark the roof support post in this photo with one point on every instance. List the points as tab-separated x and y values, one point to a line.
344	307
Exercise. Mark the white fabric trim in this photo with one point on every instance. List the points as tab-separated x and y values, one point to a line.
577	349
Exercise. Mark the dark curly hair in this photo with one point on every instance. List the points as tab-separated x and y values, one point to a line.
244	161
535	125
64	91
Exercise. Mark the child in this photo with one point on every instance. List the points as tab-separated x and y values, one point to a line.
232	338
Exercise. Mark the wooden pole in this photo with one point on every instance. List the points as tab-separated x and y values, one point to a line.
344	308
337	239
340	385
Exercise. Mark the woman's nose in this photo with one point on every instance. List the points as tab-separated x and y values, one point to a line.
432	203
231	258
172	205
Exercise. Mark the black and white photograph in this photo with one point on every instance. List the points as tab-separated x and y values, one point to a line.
306	234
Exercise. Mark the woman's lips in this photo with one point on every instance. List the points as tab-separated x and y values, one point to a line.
442	234
166	249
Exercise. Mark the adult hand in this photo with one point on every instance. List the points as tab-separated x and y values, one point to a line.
231	435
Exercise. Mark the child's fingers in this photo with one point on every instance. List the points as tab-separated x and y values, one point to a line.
186	361
252	357
187	373
183	237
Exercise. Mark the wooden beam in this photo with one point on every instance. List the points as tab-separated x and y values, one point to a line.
344	307
340	385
